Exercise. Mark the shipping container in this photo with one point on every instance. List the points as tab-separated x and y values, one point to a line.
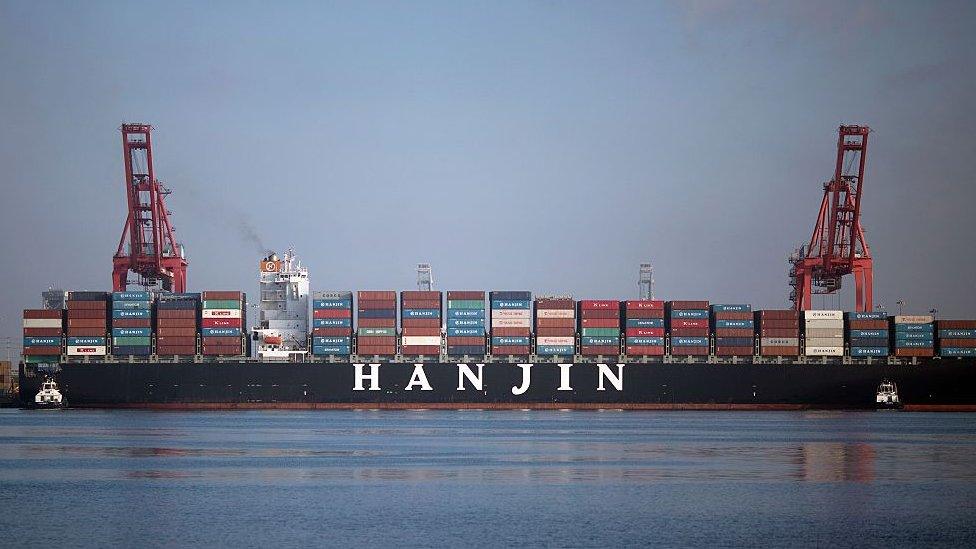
778	331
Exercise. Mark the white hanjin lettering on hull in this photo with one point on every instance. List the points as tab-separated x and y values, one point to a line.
418	379
607	374
476	380
526	379
373	376
564	377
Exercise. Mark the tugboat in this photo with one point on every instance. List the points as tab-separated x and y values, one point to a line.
887	398
49	397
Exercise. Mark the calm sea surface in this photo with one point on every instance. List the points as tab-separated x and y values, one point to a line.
486	478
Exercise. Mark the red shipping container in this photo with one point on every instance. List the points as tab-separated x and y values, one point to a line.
555	304
87	323
780	324
593	350
686	305
41	351
222	295
176	350
689	323
779	351
331	332
131	323
376	322
867	324
332	313
377	340
689	332
467	295
555	332
221	340
416	350
779	314
420	294
87	332
689	351
915	351
600	323
176	332
734	332
374	305
43	313
645	350
596	304
90	305
176	340
510	332
181	323
599	313
645	313
646	304
381	295
515	350
780	332
465	340
221	350
376	350
957	342
733	351
43	332
421	322
421	331
644	332
555	323
176	313
956	324
86	313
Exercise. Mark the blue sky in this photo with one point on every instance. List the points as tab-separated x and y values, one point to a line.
547	146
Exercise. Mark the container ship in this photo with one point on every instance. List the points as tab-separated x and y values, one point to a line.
477	349
164	347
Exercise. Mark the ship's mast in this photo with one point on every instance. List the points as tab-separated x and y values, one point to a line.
645	281
425	277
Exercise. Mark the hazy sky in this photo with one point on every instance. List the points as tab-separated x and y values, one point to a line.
544	146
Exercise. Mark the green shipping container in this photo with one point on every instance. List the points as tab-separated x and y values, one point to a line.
377	331
36	359
221	304
601	332
134	341
465	304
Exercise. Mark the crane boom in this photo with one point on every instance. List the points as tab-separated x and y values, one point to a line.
838	246
147	247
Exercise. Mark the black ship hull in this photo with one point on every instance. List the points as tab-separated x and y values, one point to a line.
934	384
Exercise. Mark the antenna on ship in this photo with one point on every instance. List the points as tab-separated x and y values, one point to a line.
425	277
645	281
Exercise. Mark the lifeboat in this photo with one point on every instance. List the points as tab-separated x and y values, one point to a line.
272	340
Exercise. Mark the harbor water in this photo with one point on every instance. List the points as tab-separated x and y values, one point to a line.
486	478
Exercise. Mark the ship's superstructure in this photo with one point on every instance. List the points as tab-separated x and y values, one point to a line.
282	332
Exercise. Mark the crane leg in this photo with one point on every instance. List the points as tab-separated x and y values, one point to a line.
863	282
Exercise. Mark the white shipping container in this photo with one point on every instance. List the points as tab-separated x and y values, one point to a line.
86	350
511	313
823	315
913	319
221	313
823	351
555	340
555	313
825	323
511	323
42	323
825	342
825	332
421	340
780	342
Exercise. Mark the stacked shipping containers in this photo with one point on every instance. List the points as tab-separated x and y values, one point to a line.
734	329
554	322
222	323
465	323
87	323
823	333
779	332
420	323
644	327
867	333
688	327
957	337
511	323
132	323
332	323
177	324
914	335
377	323
43	330
599	327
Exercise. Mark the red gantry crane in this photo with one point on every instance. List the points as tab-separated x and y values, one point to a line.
147	247
838	246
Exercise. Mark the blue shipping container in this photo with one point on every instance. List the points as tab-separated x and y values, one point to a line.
869	333
734	324
421	313
131	305
465	313
331	340
96	341
122	350
457	350
958	351
505	341
733	341
957	333
645	322
332	323
131	296
465	332
689	313
599	340
378	313
652	341
869	351
465	322
868	315
905	336
555	350
519	296
131	332
134	313
689	341
732	308
331	349
332	304
914	328
41	341
921	343
509	304
231	332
